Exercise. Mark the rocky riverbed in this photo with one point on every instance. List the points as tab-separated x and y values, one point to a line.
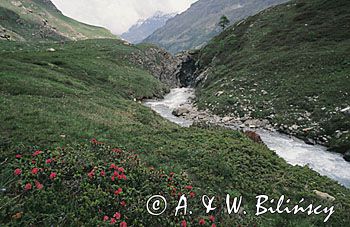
179	108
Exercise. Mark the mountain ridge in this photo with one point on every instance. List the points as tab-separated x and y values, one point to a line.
145	27
41	20
198	24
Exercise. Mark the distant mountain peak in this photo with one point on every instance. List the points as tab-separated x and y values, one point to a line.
145	27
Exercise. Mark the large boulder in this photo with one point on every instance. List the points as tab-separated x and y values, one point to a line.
181	111
346	111
324	195
347	156
254	136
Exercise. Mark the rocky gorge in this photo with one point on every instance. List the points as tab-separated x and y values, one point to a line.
188	71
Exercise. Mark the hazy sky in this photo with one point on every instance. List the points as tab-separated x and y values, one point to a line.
117	15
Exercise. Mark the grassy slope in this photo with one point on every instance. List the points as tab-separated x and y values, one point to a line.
85	89
299	54
27	20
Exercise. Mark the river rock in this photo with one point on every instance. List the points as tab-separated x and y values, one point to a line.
219	93
254	136
347	156
226	119
310	141
181	111
324	196
346	110
254	123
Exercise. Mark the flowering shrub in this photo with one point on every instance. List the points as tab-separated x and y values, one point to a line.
37	170
94	184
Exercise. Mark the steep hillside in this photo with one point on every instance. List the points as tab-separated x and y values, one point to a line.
143	28
290	64
194	27
40	20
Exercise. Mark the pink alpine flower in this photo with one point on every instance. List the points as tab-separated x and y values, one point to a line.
53	175
38	185
105	218
117	215
123	203
202	222
113	221
48	161
35	171
18	156
117	192
183	223
212	218
18	172
123	224
91	174
189	187
36	153
28	186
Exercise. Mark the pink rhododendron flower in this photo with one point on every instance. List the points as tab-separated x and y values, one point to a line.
18	156
38	185
28	186
105	218
53	175
121	169
18	172
189	187
35	171
123	203
117	215
212	218
183	223
122	177
117	192
213	225
123	224
202	222
192	194
48	161
91	174
113	221
36	153
103	173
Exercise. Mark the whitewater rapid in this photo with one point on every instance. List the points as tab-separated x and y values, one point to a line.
291	149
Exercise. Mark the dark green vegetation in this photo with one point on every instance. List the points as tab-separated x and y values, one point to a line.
197	25
86	89
290	63
40	20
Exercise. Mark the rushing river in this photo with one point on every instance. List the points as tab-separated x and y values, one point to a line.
293	150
